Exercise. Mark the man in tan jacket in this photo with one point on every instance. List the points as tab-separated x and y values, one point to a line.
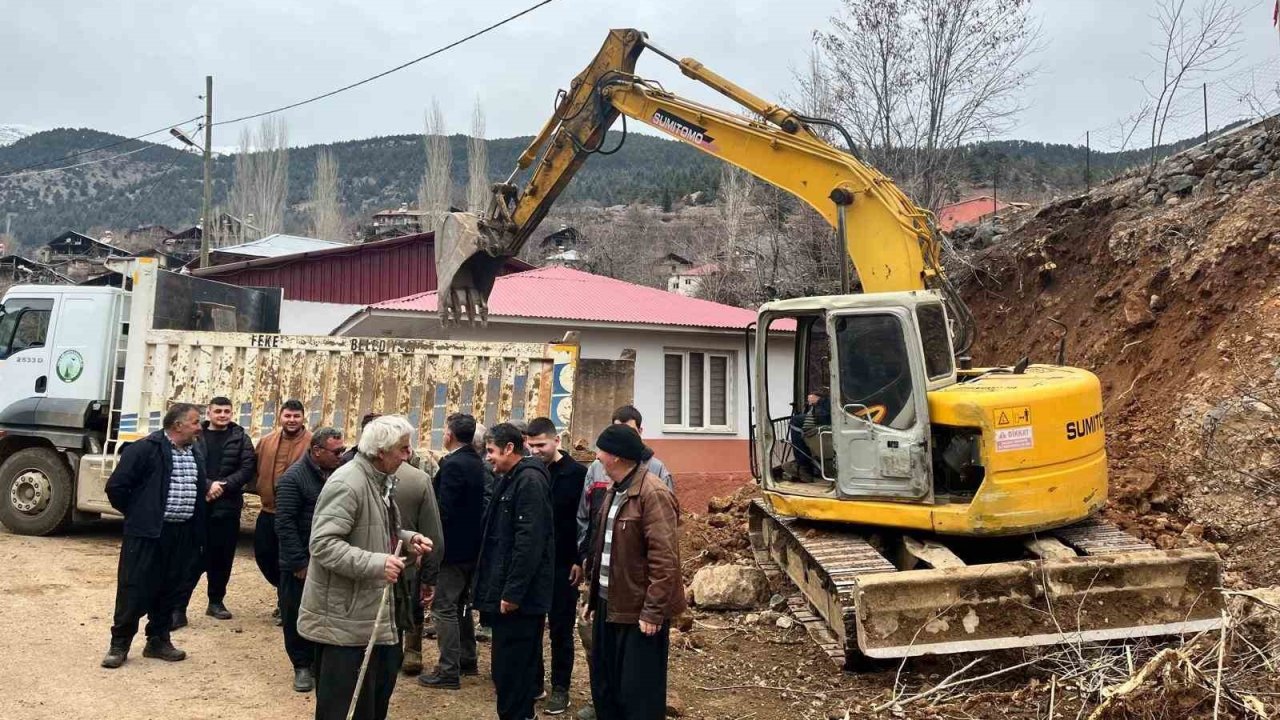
276	452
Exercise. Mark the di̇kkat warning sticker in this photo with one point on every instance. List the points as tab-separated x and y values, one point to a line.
1011	439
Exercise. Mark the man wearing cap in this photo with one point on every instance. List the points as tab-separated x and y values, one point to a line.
636	588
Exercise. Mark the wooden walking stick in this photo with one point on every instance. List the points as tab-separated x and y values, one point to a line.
368	649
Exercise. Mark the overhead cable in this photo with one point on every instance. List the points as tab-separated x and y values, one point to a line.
13	171
384	73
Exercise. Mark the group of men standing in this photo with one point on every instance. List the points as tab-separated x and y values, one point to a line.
513	535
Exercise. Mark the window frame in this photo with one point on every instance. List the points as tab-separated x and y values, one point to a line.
730	400
21	308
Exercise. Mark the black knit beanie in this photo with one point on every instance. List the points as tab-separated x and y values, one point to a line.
623	441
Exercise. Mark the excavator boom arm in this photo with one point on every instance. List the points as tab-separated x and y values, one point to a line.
888	238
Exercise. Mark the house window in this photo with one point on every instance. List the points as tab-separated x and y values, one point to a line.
698	390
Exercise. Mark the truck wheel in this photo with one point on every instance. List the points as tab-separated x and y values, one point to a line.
35	492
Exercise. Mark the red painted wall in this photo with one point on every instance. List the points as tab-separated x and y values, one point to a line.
703	468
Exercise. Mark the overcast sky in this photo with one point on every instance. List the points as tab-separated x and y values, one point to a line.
129	67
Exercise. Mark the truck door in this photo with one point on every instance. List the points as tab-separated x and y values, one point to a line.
24	351
879	409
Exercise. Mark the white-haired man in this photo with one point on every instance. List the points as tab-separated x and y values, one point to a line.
352	537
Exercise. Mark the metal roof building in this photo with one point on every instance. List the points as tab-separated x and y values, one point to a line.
558	294
350	274
275	246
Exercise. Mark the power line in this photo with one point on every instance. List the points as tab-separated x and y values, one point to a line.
14	171
18	172
384	73
109	158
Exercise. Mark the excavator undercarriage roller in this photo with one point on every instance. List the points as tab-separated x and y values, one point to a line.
1087	582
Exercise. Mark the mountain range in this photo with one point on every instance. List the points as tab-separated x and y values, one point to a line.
142	184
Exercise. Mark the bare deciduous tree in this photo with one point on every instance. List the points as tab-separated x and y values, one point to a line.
434	194
915	79
730	282
1192	42
478	193
327	222
262	176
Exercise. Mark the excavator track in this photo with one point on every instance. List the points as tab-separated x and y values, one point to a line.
1087	582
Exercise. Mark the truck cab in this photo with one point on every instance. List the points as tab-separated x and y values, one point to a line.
57	359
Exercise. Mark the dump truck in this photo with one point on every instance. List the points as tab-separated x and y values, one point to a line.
86	370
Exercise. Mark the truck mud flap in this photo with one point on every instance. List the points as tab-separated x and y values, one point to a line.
1118	596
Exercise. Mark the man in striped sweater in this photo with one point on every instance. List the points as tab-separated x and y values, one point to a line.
636	587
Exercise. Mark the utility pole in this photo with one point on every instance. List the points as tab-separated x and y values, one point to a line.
1204	90
1088	150
206	224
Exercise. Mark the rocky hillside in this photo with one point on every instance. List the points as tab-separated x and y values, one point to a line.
1169	285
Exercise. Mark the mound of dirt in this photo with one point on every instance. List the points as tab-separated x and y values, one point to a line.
720	536
1168	287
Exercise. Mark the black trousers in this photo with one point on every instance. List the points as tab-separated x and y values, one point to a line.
302	652
517	645
628	669
151	579
222	531
561	622
337	668
266	547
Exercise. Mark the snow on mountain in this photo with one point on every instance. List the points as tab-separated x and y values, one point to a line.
10	134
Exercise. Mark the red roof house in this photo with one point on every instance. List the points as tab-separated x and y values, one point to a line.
690	359
968	211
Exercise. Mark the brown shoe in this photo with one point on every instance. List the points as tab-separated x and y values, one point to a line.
412	663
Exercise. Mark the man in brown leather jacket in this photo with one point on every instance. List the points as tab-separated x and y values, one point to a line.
636	588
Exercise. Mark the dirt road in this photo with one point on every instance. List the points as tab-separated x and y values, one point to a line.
56	597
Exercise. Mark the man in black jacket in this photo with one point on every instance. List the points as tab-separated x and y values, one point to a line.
513	571
159	486
296	495
230	463
459	489
567	476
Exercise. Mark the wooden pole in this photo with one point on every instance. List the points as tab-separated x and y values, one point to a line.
1088	151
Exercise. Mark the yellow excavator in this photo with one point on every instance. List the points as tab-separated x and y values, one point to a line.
918	505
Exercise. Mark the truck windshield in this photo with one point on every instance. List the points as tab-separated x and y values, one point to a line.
24	324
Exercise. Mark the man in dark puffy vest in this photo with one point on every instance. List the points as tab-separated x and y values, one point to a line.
296	494
230	463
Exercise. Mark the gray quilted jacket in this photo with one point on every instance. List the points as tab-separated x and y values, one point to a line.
351	536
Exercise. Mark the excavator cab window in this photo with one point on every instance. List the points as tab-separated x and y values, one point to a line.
875	370
817	362
935	340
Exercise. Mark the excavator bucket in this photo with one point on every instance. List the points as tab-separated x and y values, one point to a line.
467	263
1091	583
1029	603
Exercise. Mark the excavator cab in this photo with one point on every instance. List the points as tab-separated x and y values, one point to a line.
861	371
